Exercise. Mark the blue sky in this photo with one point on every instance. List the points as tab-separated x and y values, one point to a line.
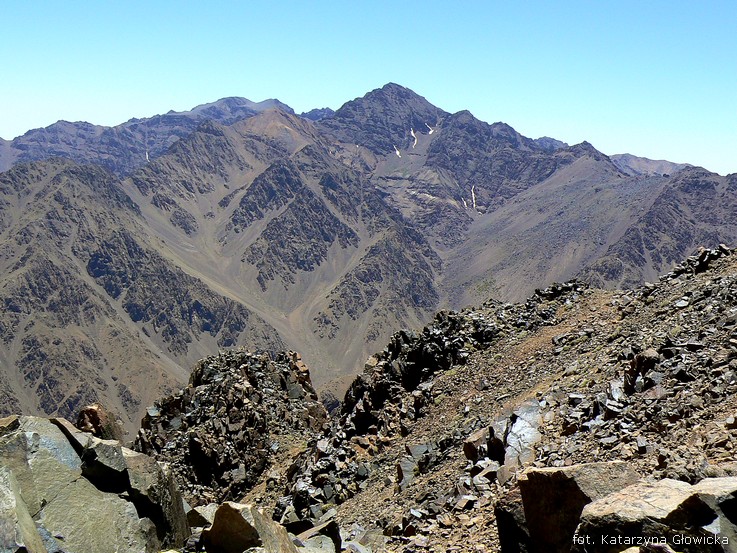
656	79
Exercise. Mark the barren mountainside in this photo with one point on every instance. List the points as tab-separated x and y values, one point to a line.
578	411
163	240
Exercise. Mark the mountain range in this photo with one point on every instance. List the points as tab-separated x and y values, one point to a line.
130	252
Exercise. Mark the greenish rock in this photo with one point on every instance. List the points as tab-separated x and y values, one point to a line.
63	491
17	529
83	519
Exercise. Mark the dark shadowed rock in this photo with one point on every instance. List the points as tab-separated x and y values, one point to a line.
216	434
99	422
514	537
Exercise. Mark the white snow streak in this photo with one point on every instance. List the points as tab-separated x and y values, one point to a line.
412	132
431	129
396	151
473	196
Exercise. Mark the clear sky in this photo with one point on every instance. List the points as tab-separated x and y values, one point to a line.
653	78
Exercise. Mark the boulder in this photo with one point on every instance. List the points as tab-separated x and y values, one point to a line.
99	422
202	516
523	434
691	519
46	479
475	446
237	527
407	469
326	531
553	499
639	366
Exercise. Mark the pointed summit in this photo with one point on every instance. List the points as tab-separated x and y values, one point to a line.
383	118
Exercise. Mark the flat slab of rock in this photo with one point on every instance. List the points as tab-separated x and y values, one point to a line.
692	519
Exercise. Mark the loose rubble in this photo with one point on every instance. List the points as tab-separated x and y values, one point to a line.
572	376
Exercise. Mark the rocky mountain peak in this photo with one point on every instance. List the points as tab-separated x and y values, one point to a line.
587	149
317	113
550	144
384	118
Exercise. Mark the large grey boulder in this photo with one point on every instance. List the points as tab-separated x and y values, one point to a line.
523	434
82	494
692	519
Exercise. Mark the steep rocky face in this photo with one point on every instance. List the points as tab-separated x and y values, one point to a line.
64	490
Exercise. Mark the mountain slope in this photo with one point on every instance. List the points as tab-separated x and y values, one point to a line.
271	216
268	230
691	209
84	315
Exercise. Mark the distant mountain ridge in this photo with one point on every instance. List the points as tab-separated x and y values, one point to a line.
633	165
125	147
249	225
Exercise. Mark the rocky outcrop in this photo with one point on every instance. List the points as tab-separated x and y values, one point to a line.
64	490
99	422
553	498
396	391
218	433
237	528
